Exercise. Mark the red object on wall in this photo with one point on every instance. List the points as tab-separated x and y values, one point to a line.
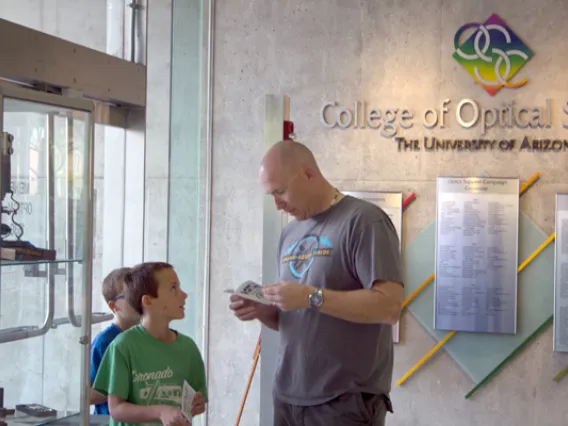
288	128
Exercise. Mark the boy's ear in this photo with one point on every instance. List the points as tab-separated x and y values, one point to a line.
112	306
146	301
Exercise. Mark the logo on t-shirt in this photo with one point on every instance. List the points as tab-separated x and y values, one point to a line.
153	375
301	255
157	387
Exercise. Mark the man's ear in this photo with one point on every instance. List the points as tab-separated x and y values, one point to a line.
309	172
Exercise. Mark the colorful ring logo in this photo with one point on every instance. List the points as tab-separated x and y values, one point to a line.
492	55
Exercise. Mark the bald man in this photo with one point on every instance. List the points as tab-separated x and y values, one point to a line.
339	295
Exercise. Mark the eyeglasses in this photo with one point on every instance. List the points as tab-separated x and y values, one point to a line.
120	296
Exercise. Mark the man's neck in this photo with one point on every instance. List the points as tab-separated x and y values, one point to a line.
329	196
158	328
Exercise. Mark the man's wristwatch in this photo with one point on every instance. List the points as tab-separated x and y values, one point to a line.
316	298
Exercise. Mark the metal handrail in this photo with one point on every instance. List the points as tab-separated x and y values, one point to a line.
96	318
27	332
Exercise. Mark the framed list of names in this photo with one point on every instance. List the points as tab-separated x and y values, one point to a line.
477	228
391	204
560	333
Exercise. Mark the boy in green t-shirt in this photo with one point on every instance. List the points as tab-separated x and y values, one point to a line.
144	369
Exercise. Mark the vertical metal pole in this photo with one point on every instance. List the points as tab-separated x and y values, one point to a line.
87	195
50	217
277	110
51	268
70	224
209	189
50	187
134	6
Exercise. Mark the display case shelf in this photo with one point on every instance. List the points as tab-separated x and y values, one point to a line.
63	419
37	262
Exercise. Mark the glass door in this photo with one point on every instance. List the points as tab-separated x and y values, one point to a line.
46	191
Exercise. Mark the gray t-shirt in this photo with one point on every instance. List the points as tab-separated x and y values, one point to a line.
347	247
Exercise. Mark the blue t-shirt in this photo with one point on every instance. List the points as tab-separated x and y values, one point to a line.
98	348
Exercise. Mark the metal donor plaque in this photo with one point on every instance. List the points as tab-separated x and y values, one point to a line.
477	233
560	333
391	204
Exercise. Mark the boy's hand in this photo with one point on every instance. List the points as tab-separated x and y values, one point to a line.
97	397
198	404
172	416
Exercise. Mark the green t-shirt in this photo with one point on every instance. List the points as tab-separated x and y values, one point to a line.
146	371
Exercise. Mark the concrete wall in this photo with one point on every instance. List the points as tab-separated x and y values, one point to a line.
391	55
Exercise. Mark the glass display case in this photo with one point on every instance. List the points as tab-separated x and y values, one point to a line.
46	183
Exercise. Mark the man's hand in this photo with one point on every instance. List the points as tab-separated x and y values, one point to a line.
247	310
198	404
288	296
172	416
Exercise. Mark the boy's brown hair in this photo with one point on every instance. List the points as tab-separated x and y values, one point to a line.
141	281
113	284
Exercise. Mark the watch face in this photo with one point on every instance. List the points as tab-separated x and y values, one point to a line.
316	299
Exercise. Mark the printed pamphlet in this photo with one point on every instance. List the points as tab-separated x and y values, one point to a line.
251	291
187	401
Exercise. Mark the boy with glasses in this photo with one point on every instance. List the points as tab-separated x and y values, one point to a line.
124	318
